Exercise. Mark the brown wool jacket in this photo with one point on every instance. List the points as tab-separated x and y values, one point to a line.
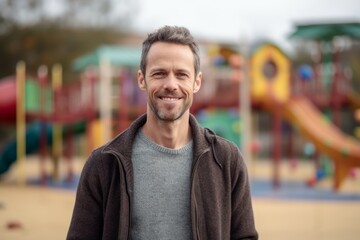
221	205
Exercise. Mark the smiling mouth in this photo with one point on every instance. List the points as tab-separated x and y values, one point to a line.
170	99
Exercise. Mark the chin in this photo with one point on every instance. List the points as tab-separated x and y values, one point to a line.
169	116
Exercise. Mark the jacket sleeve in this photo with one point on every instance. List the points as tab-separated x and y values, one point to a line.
87	220
242	218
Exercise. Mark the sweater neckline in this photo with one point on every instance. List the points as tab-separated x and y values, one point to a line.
163	149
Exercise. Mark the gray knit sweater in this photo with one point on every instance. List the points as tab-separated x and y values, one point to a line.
161	190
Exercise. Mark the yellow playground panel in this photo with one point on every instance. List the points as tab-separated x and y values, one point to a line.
270	74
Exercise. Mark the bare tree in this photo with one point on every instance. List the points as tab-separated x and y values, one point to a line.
95	13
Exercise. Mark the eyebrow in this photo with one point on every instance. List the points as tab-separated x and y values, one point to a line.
165	70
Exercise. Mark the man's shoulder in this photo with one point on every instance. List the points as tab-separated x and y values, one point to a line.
227	147
221	142
100	155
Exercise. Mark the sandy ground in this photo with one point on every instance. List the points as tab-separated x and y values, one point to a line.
36	212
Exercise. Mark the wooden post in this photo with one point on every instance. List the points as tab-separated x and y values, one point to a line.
20	121
105	100
57	128
89	84
245	108
277	145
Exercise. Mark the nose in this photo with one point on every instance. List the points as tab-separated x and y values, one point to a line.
170	83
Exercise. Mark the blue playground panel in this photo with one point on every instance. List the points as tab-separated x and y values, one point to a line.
260	188
64	184
297	190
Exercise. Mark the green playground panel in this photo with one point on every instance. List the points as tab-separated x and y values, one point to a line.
32	97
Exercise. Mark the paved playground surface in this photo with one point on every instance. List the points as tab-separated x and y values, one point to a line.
36	212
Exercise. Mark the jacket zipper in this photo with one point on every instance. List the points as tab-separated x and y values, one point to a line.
193	195
129	197
192	187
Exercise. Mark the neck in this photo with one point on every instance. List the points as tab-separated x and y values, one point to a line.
170	134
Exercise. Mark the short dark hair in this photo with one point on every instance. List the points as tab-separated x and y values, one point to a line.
170	34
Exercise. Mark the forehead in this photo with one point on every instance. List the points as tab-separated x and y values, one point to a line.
163	53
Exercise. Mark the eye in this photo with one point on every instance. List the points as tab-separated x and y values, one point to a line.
159	74
182	75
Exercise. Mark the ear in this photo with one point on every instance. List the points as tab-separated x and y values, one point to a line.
197	83
141	80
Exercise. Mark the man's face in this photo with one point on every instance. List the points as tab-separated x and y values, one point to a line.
170	80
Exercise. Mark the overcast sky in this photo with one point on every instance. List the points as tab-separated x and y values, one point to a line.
233	20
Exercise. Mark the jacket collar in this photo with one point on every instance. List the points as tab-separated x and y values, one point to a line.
122	143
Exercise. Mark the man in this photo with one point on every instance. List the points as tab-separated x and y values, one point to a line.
165	177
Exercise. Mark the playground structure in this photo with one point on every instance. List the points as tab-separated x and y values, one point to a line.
276	90
303	115
330	87
304	99
44	114
99	105
105	100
